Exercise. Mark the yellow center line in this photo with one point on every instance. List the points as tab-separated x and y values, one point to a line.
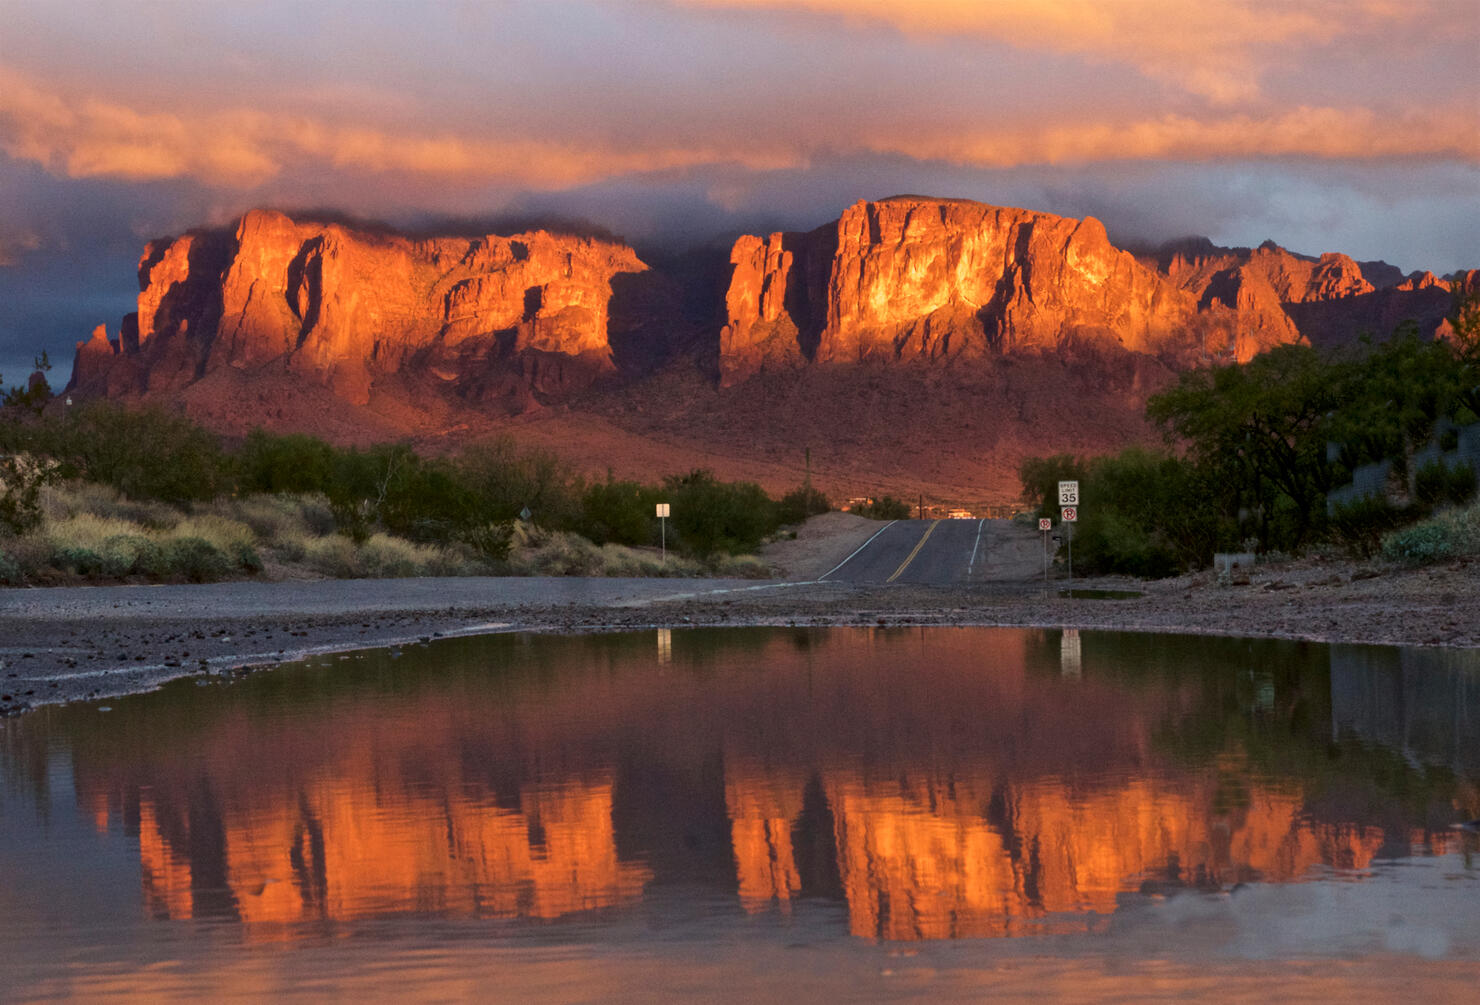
906	563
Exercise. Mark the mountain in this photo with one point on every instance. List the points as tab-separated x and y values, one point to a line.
915	345
495	319
930	279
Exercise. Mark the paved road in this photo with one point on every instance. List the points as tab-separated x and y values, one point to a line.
943	552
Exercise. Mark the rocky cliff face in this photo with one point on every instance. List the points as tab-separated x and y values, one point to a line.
911	278
503	323
344	308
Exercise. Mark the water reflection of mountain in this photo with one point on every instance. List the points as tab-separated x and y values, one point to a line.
1424	703
944	783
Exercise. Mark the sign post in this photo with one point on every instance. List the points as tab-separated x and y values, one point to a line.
1069	511
1045	524
1070	515
663	520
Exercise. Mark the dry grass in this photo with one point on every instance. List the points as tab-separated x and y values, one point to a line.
92	533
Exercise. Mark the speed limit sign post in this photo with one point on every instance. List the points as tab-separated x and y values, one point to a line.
1069	514
1045	524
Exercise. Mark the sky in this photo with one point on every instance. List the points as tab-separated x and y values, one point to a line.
1324	125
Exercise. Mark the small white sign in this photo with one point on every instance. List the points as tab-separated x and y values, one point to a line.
1045	523
663	509
1069	493
1070	514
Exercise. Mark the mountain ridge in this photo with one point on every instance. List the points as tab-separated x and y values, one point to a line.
1005	313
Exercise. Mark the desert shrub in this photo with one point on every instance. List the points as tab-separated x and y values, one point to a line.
1359	526
885	508
1449	534
710	516
10	571
88	531
1143	513
394	557
335	556
800	503
490	541
78	559
284	464
144	453
620	512
1436	483
741	567
22	478
270	517
132	554
196	559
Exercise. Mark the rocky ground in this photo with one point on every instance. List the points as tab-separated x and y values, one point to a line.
67	644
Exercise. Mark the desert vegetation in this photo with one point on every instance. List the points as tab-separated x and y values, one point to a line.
97	492
1255	450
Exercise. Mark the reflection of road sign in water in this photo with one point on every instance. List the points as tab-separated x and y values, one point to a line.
1070	661
1044	523
665	645
1068	493
1070	514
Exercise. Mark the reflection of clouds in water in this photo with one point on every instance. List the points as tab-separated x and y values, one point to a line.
1422	702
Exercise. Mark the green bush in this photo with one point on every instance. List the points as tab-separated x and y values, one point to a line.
133	554
196	559
1359	525
800	503
1436	483
1452	533
10	571
615	512
78	559
278	464
884	508
145	454
711	516
1142	513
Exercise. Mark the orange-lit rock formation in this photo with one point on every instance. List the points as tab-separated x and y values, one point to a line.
339	852
926	858
915	278
343	308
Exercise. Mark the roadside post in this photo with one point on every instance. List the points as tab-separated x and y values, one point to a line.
663	522
1069	512
1045	524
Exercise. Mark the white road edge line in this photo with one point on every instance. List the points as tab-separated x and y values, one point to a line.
972	564
862	546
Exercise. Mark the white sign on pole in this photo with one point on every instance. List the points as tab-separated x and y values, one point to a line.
1070	514
1045	523
663	509
1069	493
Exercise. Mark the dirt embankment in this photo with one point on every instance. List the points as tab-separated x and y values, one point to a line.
72	643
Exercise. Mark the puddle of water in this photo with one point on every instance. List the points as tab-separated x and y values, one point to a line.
678	811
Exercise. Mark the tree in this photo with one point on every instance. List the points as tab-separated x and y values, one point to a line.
1261	430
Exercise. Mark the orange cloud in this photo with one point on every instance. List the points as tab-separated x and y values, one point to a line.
243	148
1213	48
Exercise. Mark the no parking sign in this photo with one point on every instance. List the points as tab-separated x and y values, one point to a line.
1070	514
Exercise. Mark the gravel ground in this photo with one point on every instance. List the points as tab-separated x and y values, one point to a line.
66	644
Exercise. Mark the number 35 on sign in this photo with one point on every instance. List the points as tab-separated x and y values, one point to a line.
1069	493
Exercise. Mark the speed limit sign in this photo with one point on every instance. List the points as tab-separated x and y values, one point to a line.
1070	514
1045	523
